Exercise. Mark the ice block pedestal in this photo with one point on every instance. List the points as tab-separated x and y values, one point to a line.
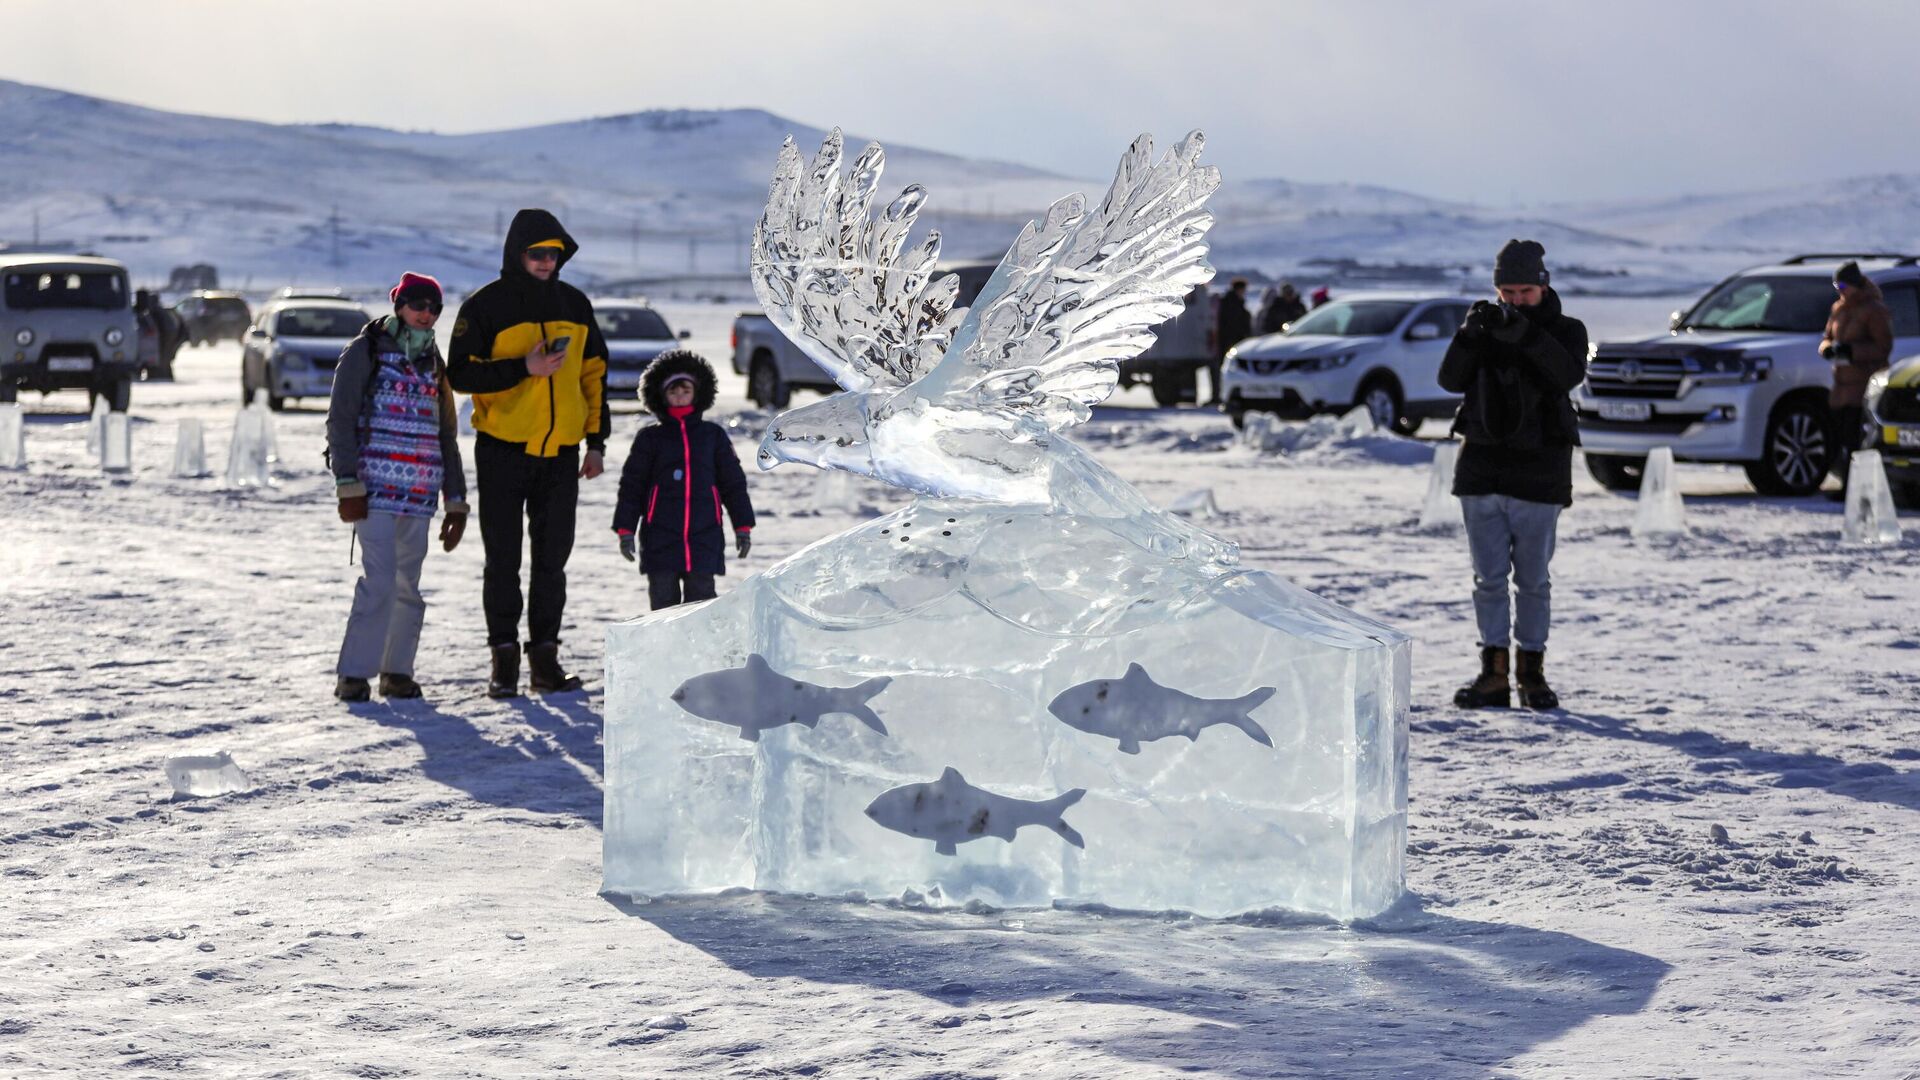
1016	706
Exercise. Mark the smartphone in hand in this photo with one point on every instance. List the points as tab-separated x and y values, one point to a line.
559	344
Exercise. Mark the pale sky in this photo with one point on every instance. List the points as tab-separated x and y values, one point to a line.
1490	103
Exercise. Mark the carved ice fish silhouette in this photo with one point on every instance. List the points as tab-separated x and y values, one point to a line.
1135	709
950	812
756	697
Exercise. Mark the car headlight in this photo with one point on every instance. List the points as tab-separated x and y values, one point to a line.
23	336
115	335
1727	368
1328	363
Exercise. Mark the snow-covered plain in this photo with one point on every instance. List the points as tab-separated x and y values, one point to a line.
410	889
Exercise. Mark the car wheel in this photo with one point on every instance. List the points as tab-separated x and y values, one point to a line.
1236	414
1906	494
1798	449
1166	390
1616	473
9	393
764	387
1382	400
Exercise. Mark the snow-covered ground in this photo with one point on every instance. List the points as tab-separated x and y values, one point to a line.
410	890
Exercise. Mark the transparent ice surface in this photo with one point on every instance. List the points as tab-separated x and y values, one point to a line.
1441	510
205	775
247	453
116	443
97	425
1031	684
1660	513
269	438
982	617
1871	518
13	436
190	449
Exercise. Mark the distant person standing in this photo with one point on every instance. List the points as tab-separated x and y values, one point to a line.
393	445
1232	324
1321	296
1514	362
1859	341
527	348
1280	307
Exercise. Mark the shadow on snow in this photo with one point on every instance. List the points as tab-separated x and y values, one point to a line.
558	771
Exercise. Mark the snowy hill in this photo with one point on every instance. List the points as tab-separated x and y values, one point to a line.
673	192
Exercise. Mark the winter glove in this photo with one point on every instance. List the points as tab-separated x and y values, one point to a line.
452	528
627	545
1826	350
1482	317
1512	328
353	508
742	543
1843	352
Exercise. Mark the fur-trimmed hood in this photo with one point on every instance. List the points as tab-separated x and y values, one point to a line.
653	384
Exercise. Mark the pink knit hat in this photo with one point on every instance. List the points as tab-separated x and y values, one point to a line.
415	285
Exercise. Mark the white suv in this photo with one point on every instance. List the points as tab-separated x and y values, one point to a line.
1381	350
1738	378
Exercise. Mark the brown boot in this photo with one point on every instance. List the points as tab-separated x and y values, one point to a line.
1530	672
505	682
1490	690
544	673
395	685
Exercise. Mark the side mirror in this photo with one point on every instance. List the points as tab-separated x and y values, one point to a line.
1425	331
684	334
1674	320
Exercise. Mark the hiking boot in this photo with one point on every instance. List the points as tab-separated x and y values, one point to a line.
351	689
1490	690
505	682
398	686
1531	675
544	673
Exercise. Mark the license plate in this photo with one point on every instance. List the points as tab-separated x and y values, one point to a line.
1636	411
1907	437
623	380
69	363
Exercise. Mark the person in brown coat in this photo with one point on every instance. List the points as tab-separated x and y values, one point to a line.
1859	341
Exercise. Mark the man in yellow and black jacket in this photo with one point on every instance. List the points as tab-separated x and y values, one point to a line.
529	351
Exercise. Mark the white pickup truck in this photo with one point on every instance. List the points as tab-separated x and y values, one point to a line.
775	367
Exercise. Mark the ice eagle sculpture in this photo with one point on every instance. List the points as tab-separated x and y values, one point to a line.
972	403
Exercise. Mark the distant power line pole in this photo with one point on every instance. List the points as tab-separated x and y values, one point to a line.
36	228
333	238
636	243
693	254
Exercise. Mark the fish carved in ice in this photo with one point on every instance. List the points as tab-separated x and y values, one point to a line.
949	811
756	697
1135	709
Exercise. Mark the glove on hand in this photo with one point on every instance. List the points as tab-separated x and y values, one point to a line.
1512	328
452	528
1482	317
742	543
1843	351
353	508
626	546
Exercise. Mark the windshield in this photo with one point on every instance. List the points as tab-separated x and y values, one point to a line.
103	289
319	322
1789	303
624	324
1352	318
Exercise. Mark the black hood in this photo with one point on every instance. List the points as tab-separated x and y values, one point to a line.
653	384
530	227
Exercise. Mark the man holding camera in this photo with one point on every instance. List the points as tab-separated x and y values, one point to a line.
1859	341
1514	362
527	348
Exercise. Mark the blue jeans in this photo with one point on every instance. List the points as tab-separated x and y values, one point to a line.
1508	536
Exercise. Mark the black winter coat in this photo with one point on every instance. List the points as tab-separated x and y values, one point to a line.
676	508
1517	423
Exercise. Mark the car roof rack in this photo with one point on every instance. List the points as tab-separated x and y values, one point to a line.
1828	256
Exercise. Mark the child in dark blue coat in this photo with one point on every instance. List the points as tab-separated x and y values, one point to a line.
678	476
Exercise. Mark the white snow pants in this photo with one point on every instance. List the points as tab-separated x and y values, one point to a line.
383	630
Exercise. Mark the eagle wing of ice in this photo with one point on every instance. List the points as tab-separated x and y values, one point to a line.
835	279
1080	291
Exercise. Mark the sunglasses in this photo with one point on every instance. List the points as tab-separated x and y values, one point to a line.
421	305
544	254
1839	286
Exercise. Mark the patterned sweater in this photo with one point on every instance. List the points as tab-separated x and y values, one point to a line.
391	428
